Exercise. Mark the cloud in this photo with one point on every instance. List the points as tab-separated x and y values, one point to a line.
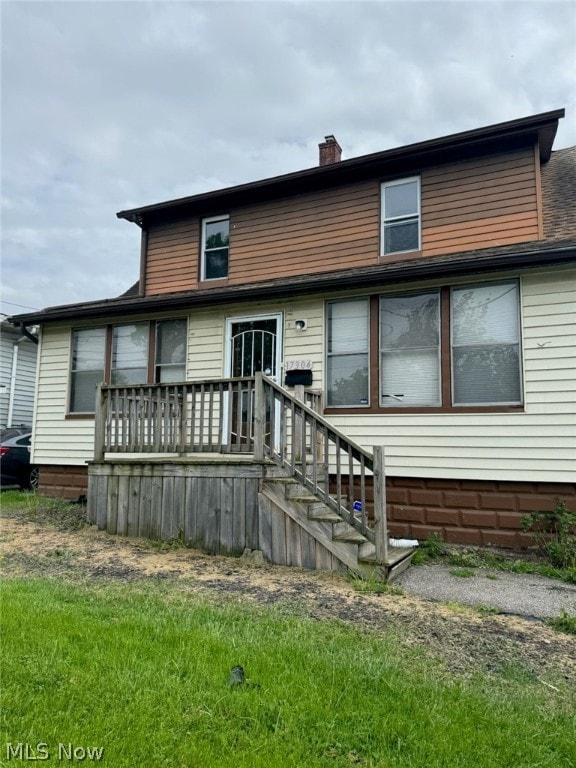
110	105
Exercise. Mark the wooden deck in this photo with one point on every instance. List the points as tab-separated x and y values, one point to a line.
239	464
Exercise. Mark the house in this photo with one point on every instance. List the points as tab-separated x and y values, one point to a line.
18	353
415	303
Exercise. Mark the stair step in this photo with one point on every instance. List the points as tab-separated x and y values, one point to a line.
320	512
346	553
367	553
345	532
296	492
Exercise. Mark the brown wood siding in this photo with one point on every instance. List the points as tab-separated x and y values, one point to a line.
316	232
465	206
172	257
480	204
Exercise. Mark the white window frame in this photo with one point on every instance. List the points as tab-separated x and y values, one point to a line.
398	219
209	220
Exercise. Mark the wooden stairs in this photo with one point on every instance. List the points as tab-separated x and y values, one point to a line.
298	528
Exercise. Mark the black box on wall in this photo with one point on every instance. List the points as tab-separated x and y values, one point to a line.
298	377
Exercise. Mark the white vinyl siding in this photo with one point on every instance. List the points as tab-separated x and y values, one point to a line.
23	386
535	445
58	440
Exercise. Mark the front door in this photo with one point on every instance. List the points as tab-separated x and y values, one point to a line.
253	343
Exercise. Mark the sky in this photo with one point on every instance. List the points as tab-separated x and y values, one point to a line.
111	105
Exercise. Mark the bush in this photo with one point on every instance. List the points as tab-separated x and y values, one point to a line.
554	534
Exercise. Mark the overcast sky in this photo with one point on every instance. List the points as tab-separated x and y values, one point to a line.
110	105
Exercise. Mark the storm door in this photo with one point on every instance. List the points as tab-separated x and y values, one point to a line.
252	344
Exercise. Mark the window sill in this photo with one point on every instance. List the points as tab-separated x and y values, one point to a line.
331	411
387	258
73	416
218	282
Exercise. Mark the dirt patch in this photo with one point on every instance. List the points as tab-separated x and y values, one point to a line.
464	640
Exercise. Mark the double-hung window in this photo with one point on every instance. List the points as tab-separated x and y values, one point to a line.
486	362
87	368
410	349
401	216
130	354
170	351
347	345
215	247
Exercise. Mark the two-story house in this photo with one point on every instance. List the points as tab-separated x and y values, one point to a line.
423	296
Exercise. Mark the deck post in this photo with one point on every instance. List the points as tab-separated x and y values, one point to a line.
259	417
100	425
298	448
380	516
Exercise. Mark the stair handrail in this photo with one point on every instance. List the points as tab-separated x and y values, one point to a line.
374	462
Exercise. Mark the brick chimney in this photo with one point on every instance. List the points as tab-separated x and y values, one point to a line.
330	151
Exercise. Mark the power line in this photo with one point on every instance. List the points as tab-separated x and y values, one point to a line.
13	304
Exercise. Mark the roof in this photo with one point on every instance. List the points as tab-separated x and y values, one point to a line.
482	261
406	159
558	246
559	195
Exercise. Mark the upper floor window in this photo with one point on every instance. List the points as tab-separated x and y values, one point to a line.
215	241
401	216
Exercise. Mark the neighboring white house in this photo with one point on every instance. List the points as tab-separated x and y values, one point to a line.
18	360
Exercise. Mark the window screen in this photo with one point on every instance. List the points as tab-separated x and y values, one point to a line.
130	354
486	361
87	370
348	353
410	350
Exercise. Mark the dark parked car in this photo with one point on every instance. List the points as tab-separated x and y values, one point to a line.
15	468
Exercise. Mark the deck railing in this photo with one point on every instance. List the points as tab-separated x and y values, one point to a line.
213	416
327	462
248	415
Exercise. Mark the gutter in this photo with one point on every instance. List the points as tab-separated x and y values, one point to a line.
14	370
33	338
335	281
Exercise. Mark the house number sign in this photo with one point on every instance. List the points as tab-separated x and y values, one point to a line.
298	365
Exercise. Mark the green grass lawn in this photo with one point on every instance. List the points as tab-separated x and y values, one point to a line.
142	672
